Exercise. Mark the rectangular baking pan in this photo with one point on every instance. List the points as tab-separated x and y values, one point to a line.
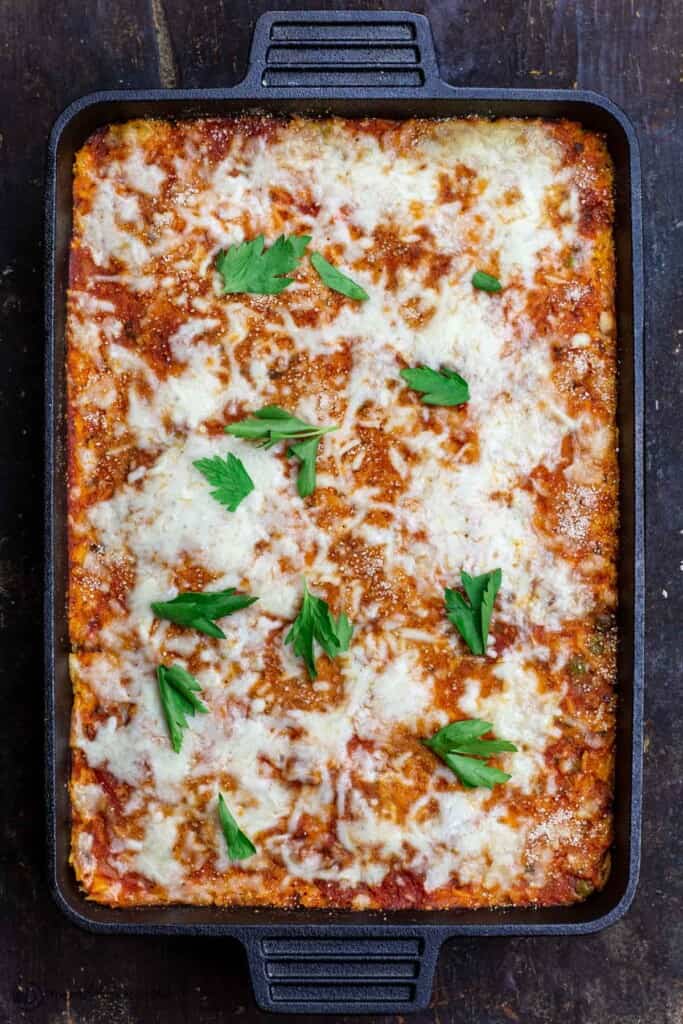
352	64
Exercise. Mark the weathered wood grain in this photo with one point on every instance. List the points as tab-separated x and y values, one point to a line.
52	973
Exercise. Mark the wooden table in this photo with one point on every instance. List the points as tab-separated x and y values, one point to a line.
54	52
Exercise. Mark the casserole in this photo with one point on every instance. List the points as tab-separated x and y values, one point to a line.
402	83
326	773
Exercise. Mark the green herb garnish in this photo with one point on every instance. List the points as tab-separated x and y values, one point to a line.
248	268
486	282
177	689
272	424
337	281
229	477
442	387
316	622
197	610
472	620
239	846
306	452
460	747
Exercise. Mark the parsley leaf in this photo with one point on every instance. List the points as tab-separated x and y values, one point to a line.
316	622
239	846
472	772
444	387
305	452
272	424
459	746
486	282
248	268
472	620
197	610
335	280
177	689
229	477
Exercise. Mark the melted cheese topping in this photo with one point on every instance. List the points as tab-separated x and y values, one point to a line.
328	777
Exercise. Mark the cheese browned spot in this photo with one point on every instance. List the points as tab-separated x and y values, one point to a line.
328	777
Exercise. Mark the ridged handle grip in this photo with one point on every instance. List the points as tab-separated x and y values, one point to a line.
341	49
360	971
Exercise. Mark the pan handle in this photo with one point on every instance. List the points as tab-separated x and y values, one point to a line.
313	52
355	969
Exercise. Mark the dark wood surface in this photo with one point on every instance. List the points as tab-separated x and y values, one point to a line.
52	973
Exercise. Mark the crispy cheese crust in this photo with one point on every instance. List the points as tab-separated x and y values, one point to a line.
328	777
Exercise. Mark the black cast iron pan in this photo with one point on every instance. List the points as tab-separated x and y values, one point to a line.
352	64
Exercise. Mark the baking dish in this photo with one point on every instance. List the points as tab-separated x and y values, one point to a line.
353	64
